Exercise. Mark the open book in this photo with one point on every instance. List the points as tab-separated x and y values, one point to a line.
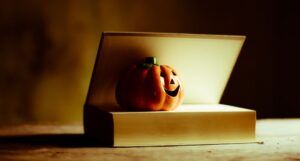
204	64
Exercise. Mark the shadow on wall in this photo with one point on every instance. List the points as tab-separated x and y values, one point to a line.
48	50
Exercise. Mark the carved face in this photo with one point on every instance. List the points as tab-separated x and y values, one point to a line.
149	86
170	81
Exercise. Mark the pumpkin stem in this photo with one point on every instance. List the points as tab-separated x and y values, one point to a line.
150	60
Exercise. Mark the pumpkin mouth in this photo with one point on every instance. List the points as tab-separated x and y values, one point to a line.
174	92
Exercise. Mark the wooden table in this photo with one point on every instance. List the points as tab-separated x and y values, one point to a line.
281	141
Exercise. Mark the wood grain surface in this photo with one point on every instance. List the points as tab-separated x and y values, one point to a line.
280	140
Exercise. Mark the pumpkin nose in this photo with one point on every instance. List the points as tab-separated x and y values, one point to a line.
172	81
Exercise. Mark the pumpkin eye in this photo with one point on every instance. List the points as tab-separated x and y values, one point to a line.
162	75
172	81
174	73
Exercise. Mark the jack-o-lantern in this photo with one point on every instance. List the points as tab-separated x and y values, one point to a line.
149	87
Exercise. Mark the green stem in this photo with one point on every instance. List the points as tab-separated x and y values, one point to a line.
150	60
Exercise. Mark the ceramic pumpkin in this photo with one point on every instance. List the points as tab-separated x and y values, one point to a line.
149	87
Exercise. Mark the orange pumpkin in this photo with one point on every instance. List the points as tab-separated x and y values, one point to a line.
149	87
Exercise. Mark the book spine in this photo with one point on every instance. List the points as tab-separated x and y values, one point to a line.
98	126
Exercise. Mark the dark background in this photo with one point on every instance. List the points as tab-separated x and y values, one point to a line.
47	51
